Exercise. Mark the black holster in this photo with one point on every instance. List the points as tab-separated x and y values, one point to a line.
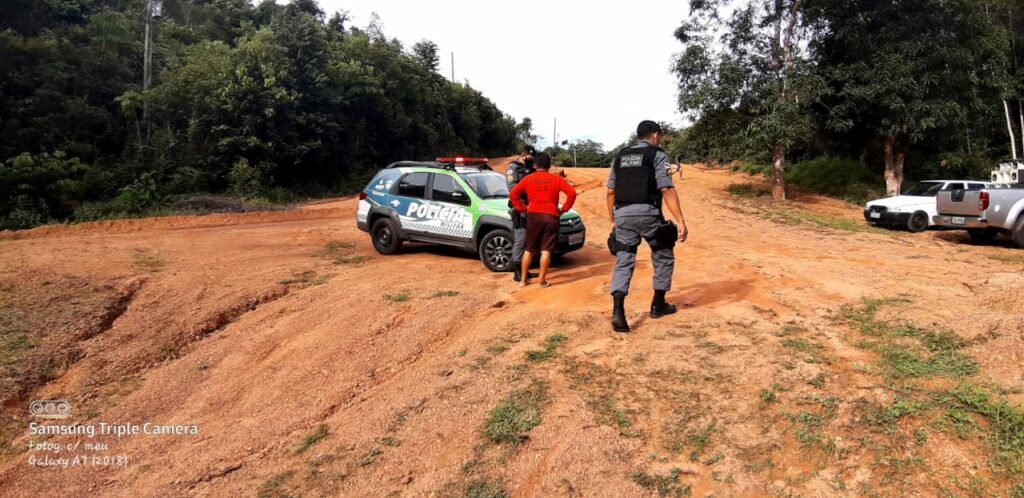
614	246
665	236
518	220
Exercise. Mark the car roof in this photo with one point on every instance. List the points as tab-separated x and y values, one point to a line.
460	168
954	181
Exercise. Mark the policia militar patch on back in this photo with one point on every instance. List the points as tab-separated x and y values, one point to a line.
634	177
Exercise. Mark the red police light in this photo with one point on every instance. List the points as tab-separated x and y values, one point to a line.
462	160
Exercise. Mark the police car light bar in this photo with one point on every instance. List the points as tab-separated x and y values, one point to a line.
462	160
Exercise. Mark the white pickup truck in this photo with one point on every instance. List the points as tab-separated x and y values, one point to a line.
987	212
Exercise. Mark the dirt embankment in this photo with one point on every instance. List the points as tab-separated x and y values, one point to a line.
810	357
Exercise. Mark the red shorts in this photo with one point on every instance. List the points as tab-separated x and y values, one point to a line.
541	233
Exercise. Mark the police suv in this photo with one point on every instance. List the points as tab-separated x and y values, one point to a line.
454	201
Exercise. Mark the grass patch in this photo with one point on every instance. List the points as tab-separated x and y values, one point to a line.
800	217
335	246
147	261
511	421
898	362
272	488
801	345
370	457
768	396
317	436
664	485
908	352
609	414
1008	258
482	488
400	297
352	260
445	293
550	348
748	190
1003	424
929	354
307	278
335	251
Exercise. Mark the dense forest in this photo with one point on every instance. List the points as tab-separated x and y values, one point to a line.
274	102
847	95
261	101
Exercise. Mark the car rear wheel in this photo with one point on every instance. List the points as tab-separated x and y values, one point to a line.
496	250
981	235
385	237
918	222
1018	231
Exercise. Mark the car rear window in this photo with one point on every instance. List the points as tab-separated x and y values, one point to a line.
413	185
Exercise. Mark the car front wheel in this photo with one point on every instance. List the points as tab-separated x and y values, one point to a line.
918	222
496	250
385	237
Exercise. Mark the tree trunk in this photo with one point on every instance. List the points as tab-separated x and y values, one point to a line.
1020	113
778	178
1009	129
893	167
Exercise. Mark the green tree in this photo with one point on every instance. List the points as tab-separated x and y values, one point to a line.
905	68
748	56
425	52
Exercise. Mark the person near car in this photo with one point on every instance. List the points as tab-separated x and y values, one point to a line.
516	171
542	191
638	185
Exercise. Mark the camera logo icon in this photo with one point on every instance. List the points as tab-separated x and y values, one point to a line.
51	409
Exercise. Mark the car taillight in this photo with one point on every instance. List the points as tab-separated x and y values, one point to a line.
362	195
983	201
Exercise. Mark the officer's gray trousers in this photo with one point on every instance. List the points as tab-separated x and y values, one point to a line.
628	231
518	244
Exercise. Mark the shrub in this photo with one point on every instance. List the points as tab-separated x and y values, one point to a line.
848	180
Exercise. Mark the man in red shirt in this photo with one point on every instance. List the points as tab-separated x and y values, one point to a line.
542	191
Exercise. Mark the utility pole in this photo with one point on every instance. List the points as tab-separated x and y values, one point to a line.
453	67
147	63
147	51
554	136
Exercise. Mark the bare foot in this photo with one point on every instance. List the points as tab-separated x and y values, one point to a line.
545	284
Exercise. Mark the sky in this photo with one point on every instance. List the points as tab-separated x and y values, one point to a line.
598	67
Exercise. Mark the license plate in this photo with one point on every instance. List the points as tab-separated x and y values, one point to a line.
575	238
957	220
876	214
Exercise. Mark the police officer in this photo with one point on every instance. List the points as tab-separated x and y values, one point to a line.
638	185
516	171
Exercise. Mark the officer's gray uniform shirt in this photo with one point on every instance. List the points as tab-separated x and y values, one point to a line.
635	222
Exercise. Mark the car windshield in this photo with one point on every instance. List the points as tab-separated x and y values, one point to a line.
925	189
487	184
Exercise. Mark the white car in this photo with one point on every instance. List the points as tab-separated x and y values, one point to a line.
915	208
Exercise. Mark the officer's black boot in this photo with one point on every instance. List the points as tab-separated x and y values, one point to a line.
517	274
659	307
619	323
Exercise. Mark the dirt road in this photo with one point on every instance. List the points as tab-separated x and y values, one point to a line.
810	357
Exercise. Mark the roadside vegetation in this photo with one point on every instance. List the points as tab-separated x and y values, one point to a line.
756	200
886	92
934	388
253	105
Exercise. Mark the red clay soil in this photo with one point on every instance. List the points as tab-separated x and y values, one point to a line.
313	366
